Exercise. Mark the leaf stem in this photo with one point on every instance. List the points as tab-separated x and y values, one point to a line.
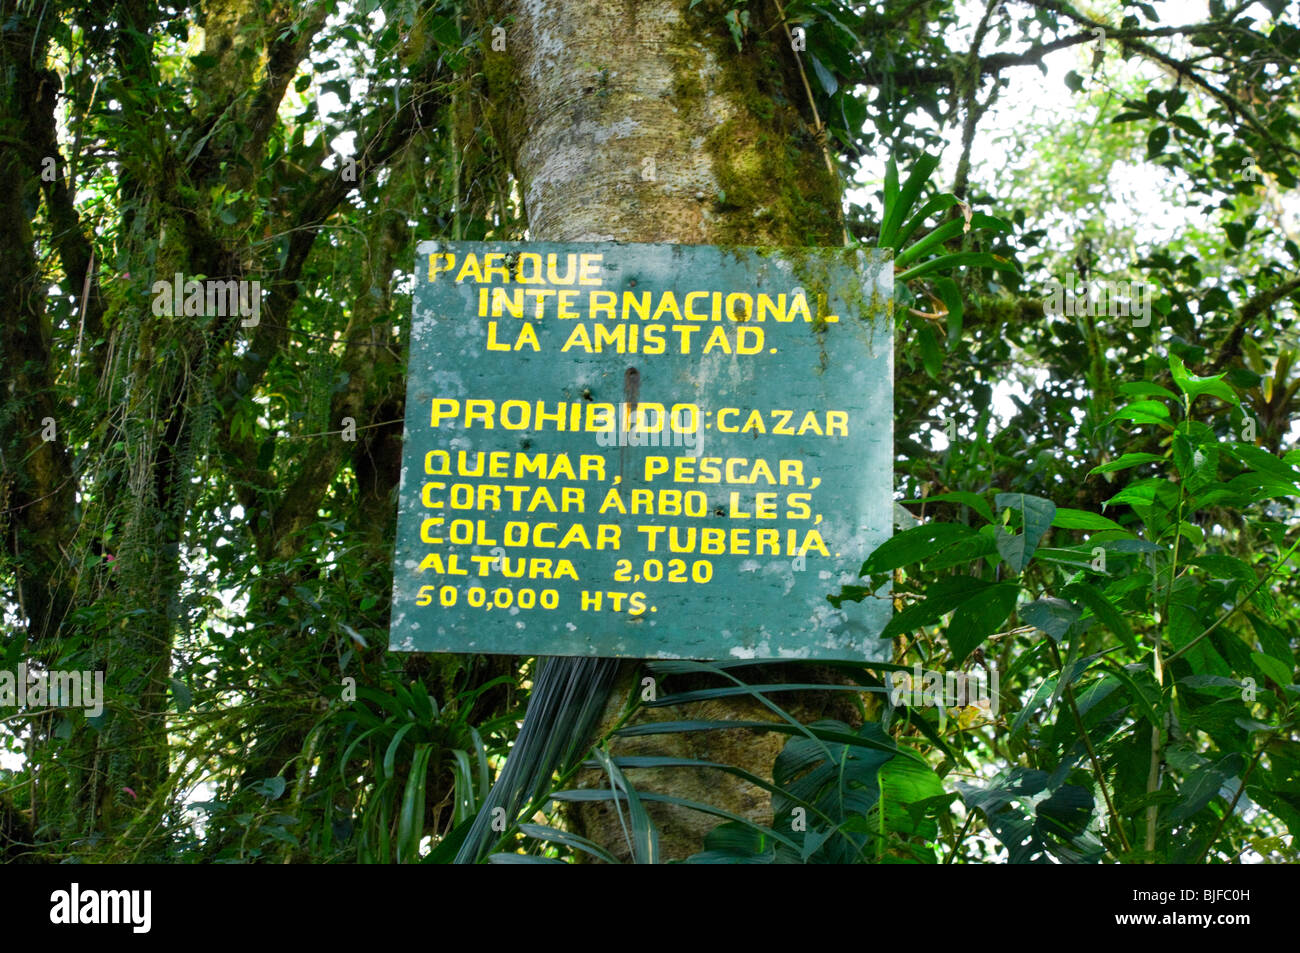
1068	691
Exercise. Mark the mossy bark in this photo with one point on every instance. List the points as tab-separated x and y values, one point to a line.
641	121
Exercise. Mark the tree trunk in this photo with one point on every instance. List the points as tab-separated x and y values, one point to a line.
641	121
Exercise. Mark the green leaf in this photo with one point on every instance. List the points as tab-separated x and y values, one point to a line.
1279	672
1037	515
390	756
1147	493
1142	412
931	356
181	693
1202	788
1264	462
899	203
644	836
950	263
1126	461
271	788
824	76
1104	610
941	598
979	617
568	839
410	820
732	19
966	552
946	232
1053	616
1194	386
1046	689
940	203
1156	141
950	295
1196	458
732	843
914	545
1067	518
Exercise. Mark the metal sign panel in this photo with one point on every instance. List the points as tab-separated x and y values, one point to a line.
650	451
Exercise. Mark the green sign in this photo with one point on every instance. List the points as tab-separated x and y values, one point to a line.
651	451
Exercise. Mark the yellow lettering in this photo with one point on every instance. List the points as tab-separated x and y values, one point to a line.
449	262
718	339
810	423
578	338
589	270
471	268
494	267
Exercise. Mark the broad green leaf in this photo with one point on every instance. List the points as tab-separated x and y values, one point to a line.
1278	671
915	545
1103	609
1126	461
941	597
966	552
1265	463
824	76
1037	515
732	843
1194	386
1142	412
1067	518
979	617
1202	788
1156	141
1046	689
1151	492
1053	616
